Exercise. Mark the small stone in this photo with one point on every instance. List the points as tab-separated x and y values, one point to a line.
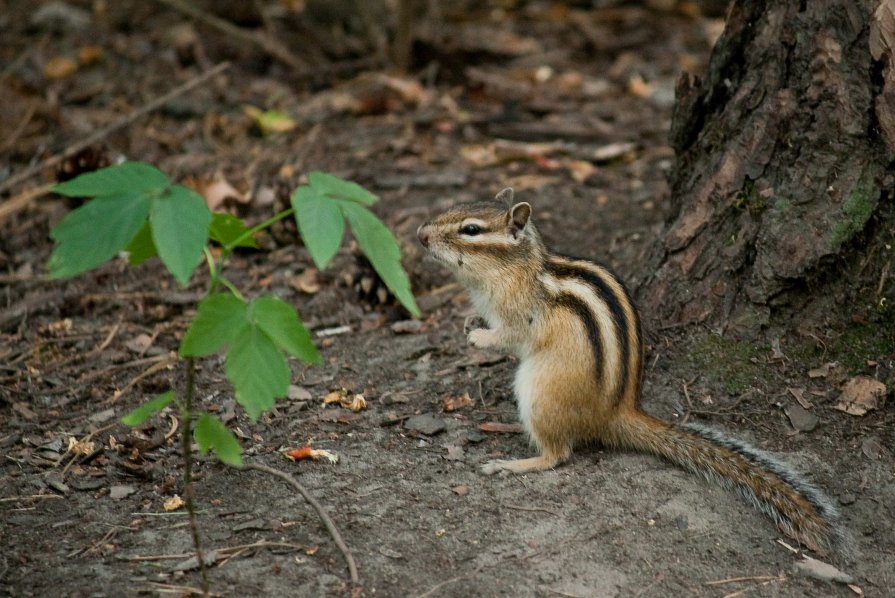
407	327
800	418
847	498
119	492
425	424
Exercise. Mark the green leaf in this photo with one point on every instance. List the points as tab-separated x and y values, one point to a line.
179	222
128	178
335	188
96	232
212	435
226	228
217	321
381	248
144	411
280	322
141	247
320	222
257	370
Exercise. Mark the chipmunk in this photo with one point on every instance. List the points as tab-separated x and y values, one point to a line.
577	334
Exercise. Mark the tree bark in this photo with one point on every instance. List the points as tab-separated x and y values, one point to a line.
784	160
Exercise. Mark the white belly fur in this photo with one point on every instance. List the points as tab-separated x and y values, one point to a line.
524	387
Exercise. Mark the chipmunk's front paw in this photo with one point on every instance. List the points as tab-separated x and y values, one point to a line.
473	322
482	338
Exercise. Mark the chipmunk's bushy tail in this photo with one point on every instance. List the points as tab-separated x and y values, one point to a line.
799	509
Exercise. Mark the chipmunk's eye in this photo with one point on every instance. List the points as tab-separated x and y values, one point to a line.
471	230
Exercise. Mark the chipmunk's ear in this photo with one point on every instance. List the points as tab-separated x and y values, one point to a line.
519	215
505	196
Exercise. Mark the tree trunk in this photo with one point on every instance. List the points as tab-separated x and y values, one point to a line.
784	161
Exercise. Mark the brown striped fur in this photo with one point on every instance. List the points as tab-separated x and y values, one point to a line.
577	333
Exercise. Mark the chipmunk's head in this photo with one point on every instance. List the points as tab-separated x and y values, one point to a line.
482	239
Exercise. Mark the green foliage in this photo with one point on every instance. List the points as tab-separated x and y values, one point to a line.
226	229
280	322
257	370
146	410
135	207
217	321
126	197
333	187
320	222
212	435
255	336
321	209
380	246
179	221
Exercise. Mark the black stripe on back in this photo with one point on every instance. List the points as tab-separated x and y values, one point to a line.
599	286
580	308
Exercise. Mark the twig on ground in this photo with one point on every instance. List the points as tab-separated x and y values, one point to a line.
264	41
228	551
533	509
167	588
321	512
105	132
20	128
22	199
749	578
147	372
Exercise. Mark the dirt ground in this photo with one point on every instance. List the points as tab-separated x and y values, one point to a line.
570	106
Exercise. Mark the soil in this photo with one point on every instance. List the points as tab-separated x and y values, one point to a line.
569	106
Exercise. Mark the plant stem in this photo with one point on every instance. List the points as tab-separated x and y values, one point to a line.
275	218
186	416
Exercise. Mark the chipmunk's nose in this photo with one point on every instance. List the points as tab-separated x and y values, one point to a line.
423	233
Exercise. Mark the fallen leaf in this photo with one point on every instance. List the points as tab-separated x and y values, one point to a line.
335	396
799	395
640	88
60	67
860	395
581	170
139	344
355	403
454	402
460	490
89	54
269	121
81	448
455	453
173	503
306	282
215	191
501	428
612	151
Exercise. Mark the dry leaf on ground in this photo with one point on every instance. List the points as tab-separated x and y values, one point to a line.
860	395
